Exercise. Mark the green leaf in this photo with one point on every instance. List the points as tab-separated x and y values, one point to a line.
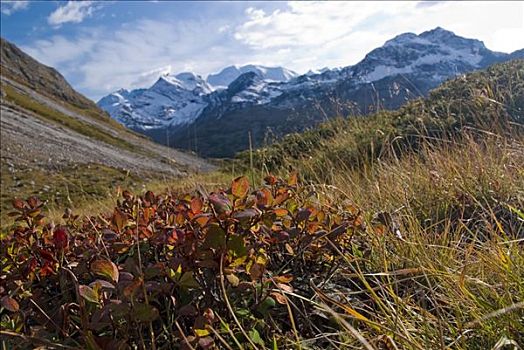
105	268
145	312
215	237
240	187
255	337
242	313
188	281
267	304
237	246
234	280
88	294
201	332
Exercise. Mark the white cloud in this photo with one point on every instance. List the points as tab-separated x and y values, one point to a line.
341	33
73	12
300	36
99	61
10	7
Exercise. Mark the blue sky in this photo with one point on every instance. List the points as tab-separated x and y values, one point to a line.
103	46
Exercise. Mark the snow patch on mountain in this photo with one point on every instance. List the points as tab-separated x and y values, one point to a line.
171	100
409	53
227	75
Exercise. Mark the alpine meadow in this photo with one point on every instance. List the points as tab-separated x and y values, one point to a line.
270	203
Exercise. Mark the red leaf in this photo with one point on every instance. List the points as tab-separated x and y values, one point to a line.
281	299
202	219
209	315
119	219
150	197
196	205
283	279
246	214
220	202
148	214
280	212
293	179
206	342
127	195
172	238
9	304
240	187
47	269
18	203
60	238
256	271
33	202
270	180
264	198
47	255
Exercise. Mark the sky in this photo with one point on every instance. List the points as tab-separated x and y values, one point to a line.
103	46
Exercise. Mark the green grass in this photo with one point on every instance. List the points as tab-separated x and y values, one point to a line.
89	189
460	258
71	187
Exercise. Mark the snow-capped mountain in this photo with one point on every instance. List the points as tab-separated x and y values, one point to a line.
227	75
217	113
438	50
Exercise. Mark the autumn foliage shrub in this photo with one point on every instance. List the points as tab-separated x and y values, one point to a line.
193	270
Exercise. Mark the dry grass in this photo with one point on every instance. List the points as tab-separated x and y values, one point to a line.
443	265
441	183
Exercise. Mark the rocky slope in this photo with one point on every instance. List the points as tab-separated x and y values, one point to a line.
404	68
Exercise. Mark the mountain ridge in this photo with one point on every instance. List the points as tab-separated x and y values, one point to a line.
405	67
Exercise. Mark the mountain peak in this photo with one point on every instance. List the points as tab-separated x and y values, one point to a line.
227	75
183	81
188	76
122	92
243	81
438	33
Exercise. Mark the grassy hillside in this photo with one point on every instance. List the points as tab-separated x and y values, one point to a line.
486	100
401	231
